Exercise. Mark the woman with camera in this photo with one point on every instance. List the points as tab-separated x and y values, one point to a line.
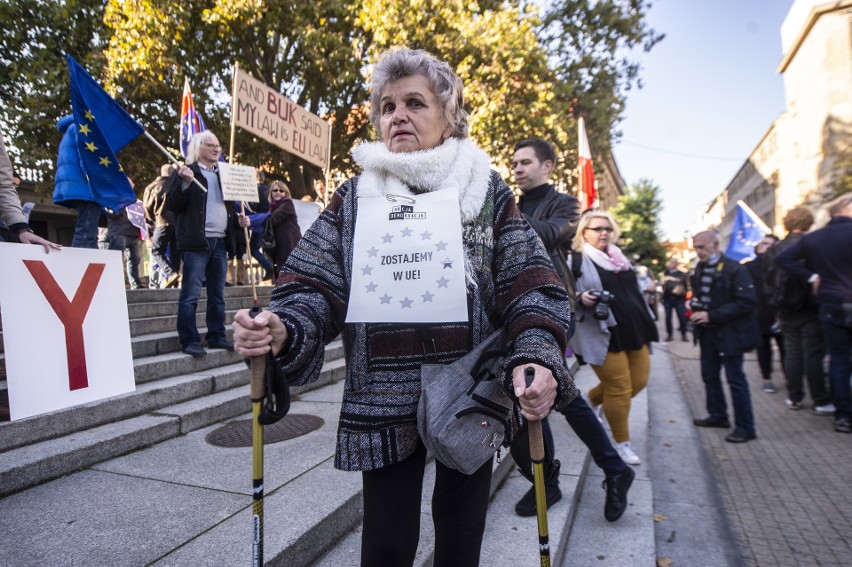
614	324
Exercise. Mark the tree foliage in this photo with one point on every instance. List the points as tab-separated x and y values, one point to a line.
638	216
522	70
590	43
34	89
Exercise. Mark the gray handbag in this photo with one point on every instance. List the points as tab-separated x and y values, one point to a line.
464	416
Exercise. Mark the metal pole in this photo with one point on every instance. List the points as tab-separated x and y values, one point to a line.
537	457
171	158
257	393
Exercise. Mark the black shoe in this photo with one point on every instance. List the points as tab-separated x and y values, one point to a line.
616	487
220	343
739	436
685	339
710	422
194	349
842	425
526	505
669	339
267	274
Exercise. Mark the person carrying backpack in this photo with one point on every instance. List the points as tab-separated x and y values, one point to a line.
790	294
766	314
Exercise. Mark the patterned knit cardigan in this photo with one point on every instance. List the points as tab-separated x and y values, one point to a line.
515	285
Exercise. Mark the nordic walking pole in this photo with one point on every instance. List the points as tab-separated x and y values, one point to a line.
257	393
537	457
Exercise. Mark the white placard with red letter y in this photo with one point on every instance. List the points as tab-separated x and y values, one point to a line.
66	333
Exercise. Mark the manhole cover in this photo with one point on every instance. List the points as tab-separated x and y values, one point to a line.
238	433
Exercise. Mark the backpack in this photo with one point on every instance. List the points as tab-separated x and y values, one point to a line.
783	290
268	242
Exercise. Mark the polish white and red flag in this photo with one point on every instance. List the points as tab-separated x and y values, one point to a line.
588	193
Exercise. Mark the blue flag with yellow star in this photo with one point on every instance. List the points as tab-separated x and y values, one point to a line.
747	232
103	128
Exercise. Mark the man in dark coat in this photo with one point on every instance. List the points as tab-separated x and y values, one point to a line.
827	255
804	347
723	311
163	235
554	217
766	314
674	295
205	227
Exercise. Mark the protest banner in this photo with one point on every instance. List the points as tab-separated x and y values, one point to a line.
66	333
272	116
239	182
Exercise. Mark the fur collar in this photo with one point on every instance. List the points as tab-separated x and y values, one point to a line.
455	164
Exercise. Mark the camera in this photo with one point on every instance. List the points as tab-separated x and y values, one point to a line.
696	305
602	300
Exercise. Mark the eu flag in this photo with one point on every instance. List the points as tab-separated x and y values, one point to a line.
103	128
747	232
190	119
136	214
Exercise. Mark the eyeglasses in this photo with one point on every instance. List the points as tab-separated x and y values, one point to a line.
277	190
600	229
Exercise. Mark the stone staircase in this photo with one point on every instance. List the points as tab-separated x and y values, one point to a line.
139	468
175	394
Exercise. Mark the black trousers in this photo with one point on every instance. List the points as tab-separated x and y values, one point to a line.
391	528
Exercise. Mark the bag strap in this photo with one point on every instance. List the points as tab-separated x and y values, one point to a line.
576	264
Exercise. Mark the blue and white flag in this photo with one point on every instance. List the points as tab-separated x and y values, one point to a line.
748	231
136	215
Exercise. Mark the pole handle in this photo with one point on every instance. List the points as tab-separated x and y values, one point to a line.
534	427
258	368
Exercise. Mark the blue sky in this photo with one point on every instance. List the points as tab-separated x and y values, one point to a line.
710	94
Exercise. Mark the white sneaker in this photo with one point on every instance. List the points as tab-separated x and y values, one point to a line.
627	454
827	409
596	409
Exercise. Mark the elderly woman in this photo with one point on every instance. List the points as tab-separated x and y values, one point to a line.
506	280
614	325
285	224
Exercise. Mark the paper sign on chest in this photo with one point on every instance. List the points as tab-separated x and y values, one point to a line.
65	327
408	260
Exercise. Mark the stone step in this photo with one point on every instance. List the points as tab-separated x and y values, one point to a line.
192	500
194	401
166	295
166	323
165	308
30	465
146	398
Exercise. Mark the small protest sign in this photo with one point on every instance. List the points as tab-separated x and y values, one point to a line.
239	182
408	261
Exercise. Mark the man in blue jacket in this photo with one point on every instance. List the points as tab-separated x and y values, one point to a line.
205	227
827	257
723	306
72	189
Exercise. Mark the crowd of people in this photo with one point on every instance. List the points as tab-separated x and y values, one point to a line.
553	279
99	226
795	297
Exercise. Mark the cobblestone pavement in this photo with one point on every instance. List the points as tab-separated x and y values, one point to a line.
787	495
